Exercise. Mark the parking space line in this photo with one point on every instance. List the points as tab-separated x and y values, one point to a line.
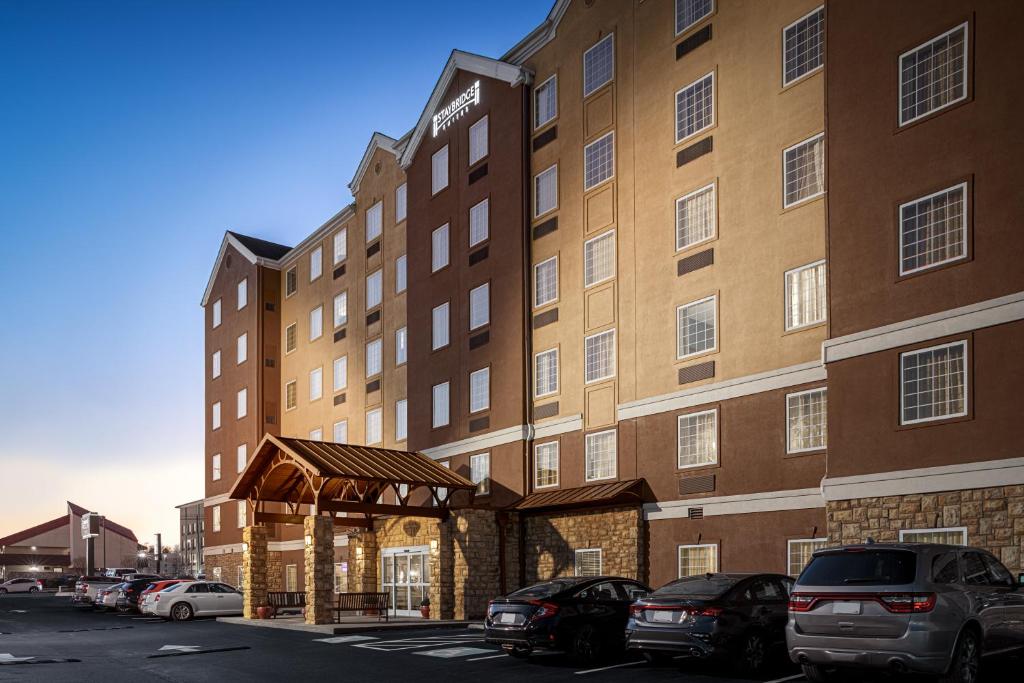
795	677
343	639
480	659
613	666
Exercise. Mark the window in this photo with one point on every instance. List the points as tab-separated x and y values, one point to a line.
599	356
316	263
545	282
690	12
439	326
599	161
216	517
479	390
600	455
440	405
934	383
215	417
291	395
316	323
401	345
374	426
374	357
697	559
599	259
216	314
799	551
340	578
479	222
803	45
215	362
805	296
949	536
545	464
316	384
480	472
804	170
806	421
439	248
696	327
478	141
340	373
695	217
401	194
243	293
374	289
291	578
340	431
479	306
290	337
598	65
545	191
545	102
241	514
933	230
340	246
546	372
243	403
242	347
439	170
291	281
587	562
340	309
241	456
933	75
695	107
215	467
698	439
401	420
401	276
374	221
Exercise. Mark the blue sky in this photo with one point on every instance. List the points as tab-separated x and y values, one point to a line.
132	134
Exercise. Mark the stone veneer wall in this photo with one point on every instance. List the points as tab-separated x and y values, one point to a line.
229	563
318	559
994	518
471	538
552	539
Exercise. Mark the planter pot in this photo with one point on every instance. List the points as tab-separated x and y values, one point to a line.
263	612
425	611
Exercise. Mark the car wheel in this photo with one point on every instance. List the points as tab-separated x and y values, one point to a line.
586	645
33	589
752	655
181	612
966	659
3	591
519	652
814	673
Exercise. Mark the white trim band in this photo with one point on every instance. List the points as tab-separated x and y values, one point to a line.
768	501
216	500
971	475
561	425
479	443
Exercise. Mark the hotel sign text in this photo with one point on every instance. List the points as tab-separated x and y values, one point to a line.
457	108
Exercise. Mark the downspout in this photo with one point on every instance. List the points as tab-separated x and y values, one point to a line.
527	324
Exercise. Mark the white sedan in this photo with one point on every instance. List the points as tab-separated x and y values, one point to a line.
21	586
183	601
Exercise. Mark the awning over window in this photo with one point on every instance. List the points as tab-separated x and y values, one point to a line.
631	492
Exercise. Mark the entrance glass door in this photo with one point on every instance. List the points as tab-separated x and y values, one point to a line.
405	574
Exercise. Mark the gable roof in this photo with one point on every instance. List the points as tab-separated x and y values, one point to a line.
253	249
377	141
105	523
261	248
538	37
63	521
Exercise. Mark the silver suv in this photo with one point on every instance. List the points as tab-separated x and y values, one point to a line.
905	607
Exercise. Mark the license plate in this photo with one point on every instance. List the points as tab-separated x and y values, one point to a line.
846	608
508	618
663	616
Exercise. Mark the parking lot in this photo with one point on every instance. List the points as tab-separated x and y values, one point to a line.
42	638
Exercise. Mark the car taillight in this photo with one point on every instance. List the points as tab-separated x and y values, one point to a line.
544	610
706	611
907	603
636	610
801	602
156	598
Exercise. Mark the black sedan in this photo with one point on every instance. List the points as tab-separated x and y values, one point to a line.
739	617
585	616
128	598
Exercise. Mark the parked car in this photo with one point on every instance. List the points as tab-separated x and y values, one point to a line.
87	587
106	598
147	598
185	600
118	572
129	592
22	585
905	607
740	618
583	615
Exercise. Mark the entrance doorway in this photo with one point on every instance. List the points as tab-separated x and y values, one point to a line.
405	573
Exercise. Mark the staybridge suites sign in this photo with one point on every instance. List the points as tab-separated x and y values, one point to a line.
457	108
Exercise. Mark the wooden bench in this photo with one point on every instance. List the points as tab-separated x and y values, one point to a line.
367	603
282	600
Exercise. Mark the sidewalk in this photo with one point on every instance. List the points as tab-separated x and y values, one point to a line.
348	624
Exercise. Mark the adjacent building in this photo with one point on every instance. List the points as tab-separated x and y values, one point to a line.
191	530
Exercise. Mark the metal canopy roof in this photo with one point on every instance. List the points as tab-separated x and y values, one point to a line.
630	492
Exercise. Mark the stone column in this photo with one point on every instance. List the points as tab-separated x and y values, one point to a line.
254	569
319	561
362	562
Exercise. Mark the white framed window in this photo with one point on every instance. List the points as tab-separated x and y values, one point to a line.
401	274
696	325
401	420
374	221
340	246
698	559
545	102
599	259
215	471
241	457
316	263
215	513
545	465
215	415
242	348
599	65
479	390
291	395
587	562
316	323
340	309
316	384
698	439
807	420
439	170
374	289
803	46
401	203
933	75
291	337
600	455
599	161
478	140
215	364
479	222
242	401
241	514
439	248
545	191
805	296
696	217
933	230
401	345
216	314
599	356
440	395
480	306
340	431
695	107
934	383
690	12
340	372
545	372
439	327
374	357
243	293
545	282
374	426
291	578
948	535
804	170
291	281
799	552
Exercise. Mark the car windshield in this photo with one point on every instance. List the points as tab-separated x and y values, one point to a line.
707	586
861	568
546	589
